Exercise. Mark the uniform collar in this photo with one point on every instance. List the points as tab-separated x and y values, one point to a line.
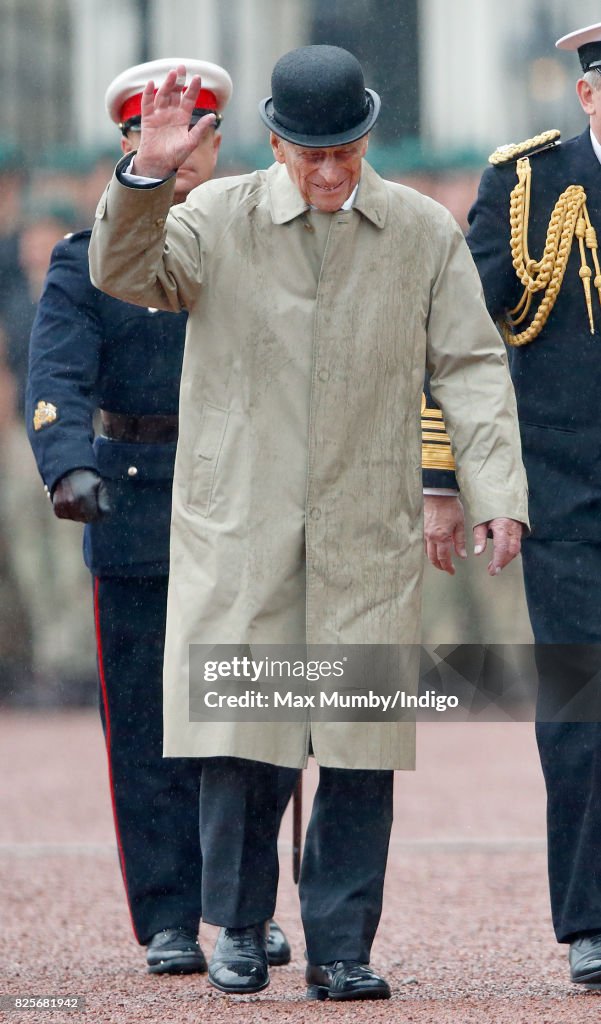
287	203
596	145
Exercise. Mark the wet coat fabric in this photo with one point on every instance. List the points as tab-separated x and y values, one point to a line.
297	507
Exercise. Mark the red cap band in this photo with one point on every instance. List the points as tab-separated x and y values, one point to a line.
132	107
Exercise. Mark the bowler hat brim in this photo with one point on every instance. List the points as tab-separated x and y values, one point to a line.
268	117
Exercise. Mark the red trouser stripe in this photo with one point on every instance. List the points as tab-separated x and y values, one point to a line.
107	720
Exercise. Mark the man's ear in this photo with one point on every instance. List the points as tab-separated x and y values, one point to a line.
586	95
277	147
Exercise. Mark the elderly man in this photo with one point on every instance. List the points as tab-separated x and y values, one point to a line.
317	294
89	351
533	236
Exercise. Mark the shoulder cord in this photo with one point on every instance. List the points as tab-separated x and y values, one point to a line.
570	217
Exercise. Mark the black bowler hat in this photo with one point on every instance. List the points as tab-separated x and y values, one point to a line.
319	98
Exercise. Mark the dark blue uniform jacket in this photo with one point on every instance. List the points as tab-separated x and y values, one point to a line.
557	376
88	352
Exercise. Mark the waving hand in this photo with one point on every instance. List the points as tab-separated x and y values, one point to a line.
166	138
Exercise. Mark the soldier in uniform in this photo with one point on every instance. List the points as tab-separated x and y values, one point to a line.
90	352
534	238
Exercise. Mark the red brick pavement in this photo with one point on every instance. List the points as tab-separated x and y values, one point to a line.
465	936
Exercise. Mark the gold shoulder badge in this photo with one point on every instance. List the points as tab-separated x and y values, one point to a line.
505	154
45	414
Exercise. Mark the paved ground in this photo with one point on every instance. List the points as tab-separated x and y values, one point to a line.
465	937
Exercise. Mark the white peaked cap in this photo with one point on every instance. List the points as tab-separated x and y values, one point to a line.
123	96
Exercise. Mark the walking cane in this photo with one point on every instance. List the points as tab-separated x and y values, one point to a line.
297	825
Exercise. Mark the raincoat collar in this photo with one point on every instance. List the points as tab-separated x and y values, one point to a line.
286	202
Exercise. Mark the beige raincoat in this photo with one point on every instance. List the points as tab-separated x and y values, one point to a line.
297	507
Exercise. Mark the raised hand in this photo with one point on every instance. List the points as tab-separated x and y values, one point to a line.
166	140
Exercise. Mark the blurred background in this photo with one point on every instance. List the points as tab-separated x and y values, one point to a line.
456	79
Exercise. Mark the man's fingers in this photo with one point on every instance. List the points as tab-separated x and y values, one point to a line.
507	544
171	92
507	541
459	540
445	558
443	530
501	556
147	99
444	554
506	534
439	554
169	86
432	554
480	535
200	129
181	75
191	91
167	139
174	93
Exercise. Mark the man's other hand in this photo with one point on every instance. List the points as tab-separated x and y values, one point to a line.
506	539
81	495
444	530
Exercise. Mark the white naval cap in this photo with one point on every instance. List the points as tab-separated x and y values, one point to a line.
123	98
588	43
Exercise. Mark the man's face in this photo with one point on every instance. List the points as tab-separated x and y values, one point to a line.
198	167
324	177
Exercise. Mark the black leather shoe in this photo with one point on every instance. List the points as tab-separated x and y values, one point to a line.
585	959
345	979
278	947
175	951
239	961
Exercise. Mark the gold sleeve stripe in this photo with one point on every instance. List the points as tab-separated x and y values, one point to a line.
440	438
436	445
437	457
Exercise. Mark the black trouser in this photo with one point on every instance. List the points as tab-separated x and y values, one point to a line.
344	861
564	601
155	799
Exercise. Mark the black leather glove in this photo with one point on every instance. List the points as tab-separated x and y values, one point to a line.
81	495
